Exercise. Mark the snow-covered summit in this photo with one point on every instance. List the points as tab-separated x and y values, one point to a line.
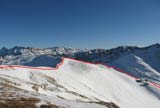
138	61
77	84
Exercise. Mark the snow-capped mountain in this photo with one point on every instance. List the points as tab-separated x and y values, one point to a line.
137	61
140	62
34	56
18	50
74	84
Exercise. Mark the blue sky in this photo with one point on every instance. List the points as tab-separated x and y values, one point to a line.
79	23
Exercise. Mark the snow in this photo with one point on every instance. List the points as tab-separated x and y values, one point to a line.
77	82
140	62
136	66
151	56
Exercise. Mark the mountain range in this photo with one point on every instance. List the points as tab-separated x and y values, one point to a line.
58	77
74	84
143	62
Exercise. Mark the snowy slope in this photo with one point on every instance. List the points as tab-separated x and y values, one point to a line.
136	66
29	56
80	85
140	62
151	55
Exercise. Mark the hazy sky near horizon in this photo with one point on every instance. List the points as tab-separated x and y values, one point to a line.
79	23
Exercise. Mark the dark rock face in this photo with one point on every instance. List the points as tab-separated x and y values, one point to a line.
19	103
49	106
